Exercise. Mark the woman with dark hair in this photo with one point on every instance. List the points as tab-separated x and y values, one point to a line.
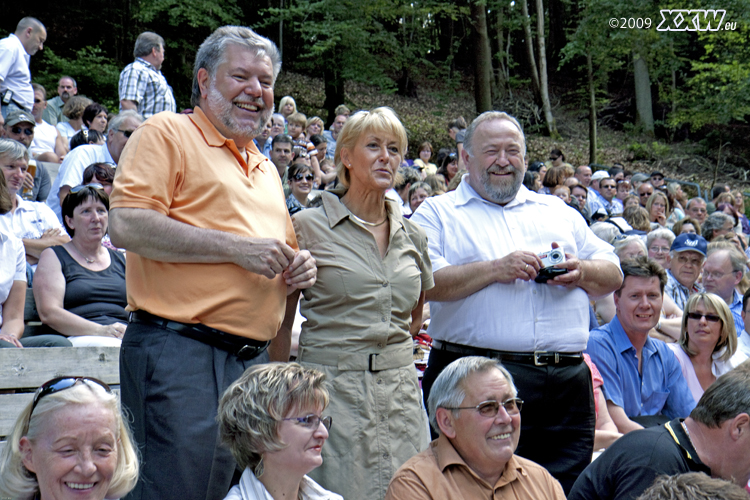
447	161
300	178
531	181
84	136
95	117
79	287
100	173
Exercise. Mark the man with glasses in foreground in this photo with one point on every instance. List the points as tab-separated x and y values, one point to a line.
474	406
643	382
71	170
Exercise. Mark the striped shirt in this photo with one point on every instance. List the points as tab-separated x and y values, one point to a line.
141	82
679	292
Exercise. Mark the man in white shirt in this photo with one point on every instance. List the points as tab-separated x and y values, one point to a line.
33	222
48	144
484	240
15	53
70	174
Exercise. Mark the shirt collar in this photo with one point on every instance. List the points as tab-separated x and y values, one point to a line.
23	49
336	211
465	193
622	341
736	298
146	63
23	205
446	455
215	139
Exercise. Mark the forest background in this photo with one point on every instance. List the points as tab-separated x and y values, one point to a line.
603	80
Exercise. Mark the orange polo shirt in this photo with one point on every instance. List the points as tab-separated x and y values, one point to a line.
182	167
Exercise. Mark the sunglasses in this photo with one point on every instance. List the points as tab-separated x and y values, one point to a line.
299	177
312	421
709	317
490	408
27	131
60	384
93	185
126	133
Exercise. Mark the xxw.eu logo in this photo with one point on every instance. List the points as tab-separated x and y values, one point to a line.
694	20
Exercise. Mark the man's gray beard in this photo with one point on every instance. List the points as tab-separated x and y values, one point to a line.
505	193
222	109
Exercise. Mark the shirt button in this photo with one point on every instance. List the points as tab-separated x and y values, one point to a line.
382	418
385	284
534	292
380	381
385	455
382	319
380	345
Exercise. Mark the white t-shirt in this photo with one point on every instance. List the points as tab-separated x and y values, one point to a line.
12	266
30	220
45	139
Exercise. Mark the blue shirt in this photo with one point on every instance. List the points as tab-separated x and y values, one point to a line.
659	389
736	308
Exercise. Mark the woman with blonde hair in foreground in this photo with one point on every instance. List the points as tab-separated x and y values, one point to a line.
272	420
70	442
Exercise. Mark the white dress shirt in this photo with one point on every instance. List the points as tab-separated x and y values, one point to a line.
743	350
14	71
12	265
30	220
71	171
523	316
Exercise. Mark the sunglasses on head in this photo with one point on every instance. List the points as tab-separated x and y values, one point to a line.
27	131
60	384
299	177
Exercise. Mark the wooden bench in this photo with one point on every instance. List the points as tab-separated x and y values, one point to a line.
22	371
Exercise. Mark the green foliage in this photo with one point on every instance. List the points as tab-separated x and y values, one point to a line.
653	151
94	72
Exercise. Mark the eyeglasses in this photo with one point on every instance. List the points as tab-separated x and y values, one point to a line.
126	133
611	186
312	421
709	317
645	195
27	131
60	384
84	186
299	177
715	274
660	249
490	408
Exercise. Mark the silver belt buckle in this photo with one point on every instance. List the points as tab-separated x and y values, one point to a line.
537	362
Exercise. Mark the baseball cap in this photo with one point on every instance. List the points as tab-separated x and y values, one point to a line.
639	177
599	175
656	173
19	116
690	241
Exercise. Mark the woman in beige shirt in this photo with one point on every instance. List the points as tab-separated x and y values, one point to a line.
373	269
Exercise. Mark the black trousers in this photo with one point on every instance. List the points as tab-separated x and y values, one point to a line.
171	386
557	420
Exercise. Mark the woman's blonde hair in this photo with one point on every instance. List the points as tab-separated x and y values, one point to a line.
315	119
653	197
251	409
76	105
19	483
285	100
381	120
728	334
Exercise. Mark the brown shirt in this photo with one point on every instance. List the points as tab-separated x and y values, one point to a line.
182	167
440	473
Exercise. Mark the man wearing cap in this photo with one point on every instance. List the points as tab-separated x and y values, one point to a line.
607	200
688	253
595	200
657	180
722	272
19	126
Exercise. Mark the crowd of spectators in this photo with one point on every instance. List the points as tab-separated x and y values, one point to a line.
605	302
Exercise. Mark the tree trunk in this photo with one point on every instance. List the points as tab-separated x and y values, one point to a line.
592	109
530	50
482	58
334	89
645	115
500	71
543	87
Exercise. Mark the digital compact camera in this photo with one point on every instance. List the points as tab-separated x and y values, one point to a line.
549	259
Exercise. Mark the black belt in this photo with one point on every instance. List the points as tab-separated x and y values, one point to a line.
538	358
241	347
